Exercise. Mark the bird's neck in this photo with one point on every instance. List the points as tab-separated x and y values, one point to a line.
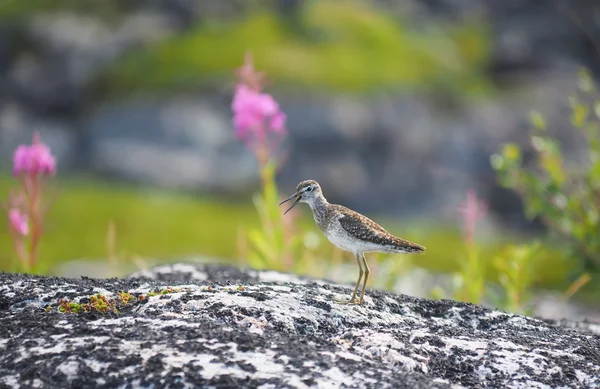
319	207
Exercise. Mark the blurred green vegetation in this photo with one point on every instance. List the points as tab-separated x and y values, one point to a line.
342	45
564	194
562	191
346	46
147	222
168	226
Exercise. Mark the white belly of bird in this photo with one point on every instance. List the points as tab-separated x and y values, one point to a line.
344	241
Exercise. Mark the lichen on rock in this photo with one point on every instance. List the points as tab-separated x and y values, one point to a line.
192	325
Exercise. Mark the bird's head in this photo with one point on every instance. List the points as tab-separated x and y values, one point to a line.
306	192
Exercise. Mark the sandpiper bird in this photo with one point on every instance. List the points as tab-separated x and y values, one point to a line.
350	231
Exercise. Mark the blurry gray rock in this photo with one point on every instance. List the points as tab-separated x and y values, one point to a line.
17	125
403	153
219	326
182	143
409	156
72	48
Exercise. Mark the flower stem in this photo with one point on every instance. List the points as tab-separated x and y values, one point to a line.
34	208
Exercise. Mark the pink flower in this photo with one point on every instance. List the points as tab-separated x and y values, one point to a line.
18	222
34	159
278	122
242	95
246	122
472	210
255	113
266	105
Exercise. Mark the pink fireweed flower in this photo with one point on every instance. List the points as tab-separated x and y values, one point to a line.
248	75
255	113
278	122
34	159
18	222
257	117
472	210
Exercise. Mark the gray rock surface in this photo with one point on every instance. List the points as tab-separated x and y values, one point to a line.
187	325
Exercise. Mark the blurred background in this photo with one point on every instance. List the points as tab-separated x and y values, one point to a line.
394	107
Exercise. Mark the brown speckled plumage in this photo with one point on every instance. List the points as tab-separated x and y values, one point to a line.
366	229
356	225
350	231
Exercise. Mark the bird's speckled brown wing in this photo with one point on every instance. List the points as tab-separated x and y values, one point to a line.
367	230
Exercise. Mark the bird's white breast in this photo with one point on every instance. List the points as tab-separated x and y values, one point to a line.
344	241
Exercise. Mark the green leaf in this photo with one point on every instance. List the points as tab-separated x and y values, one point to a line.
580	113
261	243
533	208
270	193
597	109
537	120
263	214
593	174
552	165
578	231
594	145
256	261
567	225
592	217
511	152
552	147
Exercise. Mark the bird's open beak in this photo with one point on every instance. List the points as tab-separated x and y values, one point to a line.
296	196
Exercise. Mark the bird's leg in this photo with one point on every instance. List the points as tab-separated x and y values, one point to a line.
364	288
360	275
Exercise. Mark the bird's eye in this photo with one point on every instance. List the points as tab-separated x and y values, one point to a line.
309	189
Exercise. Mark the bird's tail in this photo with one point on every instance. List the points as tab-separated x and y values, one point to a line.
403	246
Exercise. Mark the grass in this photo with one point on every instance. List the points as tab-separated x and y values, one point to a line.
163	225
148	223
446	249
